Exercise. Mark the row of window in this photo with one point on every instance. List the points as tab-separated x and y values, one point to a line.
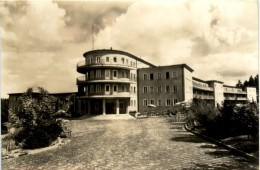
151	76
97	88
123	74
159	89
94	60
168	102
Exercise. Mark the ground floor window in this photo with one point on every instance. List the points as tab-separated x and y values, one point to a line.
168	102
159	102
175	101
152	101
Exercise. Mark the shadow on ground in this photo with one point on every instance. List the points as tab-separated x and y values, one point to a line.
188	138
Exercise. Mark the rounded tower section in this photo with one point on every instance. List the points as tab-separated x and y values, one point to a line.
108	84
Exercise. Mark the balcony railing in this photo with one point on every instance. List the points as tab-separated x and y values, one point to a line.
103	62
201	86
199	96
84	79
235	98
233	90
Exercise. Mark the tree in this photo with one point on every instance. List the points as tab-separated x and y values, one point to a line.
239	84
251	82
4	113
36	125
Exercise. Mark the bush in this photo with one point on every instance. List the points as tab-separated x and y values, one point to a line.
36	124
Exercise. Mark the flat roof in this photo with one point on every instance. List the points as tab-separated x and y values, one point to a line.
200	80
111	51
39	93
177	65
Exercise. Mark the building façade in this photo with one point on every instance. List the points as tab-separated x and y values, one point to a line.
117	82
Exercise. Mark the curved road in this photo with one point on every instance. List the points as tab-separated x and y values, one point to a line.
152	143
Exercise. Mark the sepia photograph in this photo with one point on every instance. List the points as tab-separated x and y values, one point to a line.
129	84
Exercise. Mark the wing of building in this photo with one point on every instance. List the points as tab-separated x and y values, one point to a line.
117	82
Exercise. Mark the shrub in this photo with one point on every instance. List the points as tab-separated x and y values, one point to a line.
36	124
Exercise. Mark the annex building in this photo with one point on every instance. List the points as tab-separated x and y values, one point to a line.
117	82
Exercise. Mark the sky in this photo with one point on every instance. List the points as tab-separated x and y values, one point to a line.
42	41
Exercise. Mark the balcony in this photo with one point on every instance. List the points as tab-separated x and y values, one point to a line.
201	86
235	98
84	65
109	95
199	96
84	80
234	90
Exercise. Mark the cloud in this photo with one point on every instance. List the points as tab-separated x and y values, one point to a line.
213	37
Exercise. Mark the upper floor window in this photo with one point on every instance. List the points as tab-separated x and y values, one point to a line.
167	75
107	73
159	89
107	87
98	88
145	89
131	64
123	60
92	60
92	88
175	88
134	64
92	74
151	89
145	76
98	73
115	73
131	89
123	73
123	88
134	77
159	76
134	89
174	74
126	61
151	76
131	76
115	87
115	59
107	59
167	89
98	59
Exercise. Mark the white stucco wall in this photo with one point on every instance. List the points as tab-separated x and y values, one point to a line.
251	94
188	89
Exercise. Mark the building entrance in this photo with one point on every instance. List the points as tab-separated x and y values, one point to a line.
110	107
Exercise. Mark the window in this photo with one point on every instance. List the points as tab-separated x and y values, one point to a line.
151	76
123	73
159	89
86	89
145	89
152	101
126	61
175	88
115	87
115	73
98	73
127	88
134	102
123	88
134	89
92	74
115	59
131	63
98	59
98	88
174	74
131	89
167	89
151	89
107	73
131	77
159	102
159	76
107	59
145	102
86	76
92	88
175	101
107	88
145	76
92	60
167	75
168	102
131	103
123	60
134	77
